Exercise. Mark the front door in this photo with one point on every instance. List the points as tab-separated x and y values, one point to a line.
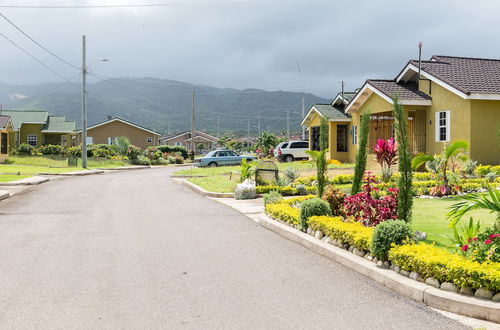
341	138
4	147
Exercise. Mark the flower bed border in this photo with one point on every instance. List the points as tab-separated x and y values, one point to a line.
379	272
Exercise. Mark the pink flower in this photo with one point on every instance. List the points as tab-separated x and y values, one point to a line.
494	236
488	241
465	247
474	238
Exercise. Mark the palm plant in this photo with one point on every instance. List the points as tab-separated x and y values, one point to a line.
318	160
476	201
439	164
266	142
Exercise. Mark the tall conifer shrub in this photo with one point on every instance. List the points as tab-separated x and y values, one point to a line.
359	169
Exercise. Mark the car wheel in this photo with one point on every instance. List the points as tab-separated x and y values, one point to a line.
288	158
212	164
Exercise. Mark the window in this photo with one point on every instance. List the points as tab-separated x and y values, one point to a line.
284	146
315	138
178	143
32	139
342	138
442	126
231	153
90	140
111	140
64	140
355	135
299	145
149	140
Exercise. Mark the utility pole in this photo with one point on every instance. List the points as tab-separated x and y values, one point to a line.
288	125
248	130
259	125
193	146
303	127
218	126
84	103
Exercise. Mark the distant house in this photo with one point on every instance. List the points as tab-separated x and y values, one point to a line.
5	129
107	131
184	139
37	128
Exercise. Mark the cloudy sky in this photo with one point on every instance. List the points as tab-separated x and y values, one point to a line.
303	45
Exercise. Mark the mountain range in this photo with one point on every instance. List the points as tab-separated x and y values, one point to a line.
165	105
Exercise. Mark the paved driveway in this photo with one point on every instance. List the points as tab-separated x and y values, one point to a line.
134	250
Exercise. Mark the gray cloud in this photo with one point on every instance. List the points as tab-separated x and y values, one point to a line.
252	44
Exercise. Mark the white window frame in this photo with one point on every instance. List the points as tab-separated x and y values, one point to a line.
354	134
111	140
149	140
442	123
178	144
32	138
90	140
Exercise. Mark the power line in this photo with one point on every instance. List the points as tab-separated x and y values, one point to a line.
118	6
37	43
35	58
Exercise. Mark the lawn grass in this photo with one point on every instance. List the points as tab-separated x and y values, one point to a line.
211	171
32	170
429	215
220	183
12	177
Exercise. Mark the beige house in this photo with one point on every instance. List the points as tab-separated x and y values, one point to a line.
5	128
106	133
201	139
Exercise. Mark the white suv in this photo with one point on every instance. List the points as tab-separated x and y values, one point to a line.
291	150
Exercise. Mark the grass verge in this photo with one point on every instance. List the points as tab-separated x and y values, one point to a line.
12	177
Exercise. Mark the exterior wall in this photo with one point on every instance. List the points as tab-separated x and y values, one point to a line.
460	116
180	139
137	136
485	123
31	129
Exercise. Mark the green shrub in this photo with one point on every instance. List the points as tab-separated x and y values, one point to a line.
24	149
301	189
291	174
335	198
352	233
171	159
141	160
387	233
272	197
101	152
133	152
122	143
171	149
313	207
159	161
343	179
51	149
73	152
482	170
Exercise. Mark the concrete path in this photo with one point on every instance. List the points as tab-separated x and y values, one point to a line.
133	250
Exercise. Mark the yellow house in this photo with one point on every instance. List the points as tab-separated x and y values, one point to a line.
5	129
446	99
37	128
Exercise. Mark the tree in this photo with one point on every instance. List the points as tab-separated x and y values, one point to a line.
439	164
359	170
122	144
319	157
405	191
266	142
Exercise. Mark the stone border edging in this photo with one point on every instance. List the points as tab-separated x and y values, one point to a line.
421	292
202	191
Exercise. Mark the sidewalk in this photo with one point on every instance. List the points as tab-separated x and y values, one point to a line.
252	208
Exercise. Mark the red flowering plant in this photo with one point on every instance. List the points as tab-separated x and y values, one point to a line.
366	208
386	152
483	248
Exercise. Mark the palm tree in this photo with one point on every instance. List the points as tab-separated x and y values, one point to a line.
266	142
439	163
489	201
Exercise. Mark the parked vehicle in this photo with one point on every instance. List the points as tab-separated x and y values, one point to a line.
222	158
291	150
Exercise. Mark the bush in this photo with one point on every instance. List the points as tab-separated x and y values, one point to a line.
343	179
291	174
272	197
141	160
133	152
312	207
73	152
287	210
485	247
430	261
171	149
387	233
171	159
285	191
51	149
352	233
122	143
301	189
101	152
24	149
159	161
335	198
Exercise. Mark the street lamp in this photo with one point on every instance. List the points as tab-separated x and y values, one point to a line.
84	100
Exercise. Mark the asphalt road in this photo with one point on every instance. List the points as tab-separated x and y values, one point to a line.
133	250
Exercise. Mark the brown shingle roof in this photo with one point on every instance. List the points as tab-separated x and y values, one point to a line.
405	91
468	75
4	120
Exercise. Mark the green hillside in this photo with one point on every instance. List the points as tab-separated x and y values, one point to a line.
165	105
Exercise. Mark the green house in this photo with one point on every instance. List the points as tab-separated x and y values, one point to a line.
37	128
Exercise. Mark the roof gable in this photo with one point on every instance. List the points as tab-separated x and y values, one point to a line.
20	117
56	124
122	121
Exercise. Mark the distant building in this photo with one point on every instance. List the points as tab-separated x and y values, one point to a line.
5	129
107	131
37	128
184	139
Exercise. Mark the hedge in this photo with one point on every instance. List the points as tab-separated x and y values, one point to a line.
352	233
171	149
285	210
286	191
431	261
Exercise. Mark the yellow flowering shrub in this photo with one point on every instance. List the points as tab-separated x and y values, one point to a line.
431	261
352	233
286	210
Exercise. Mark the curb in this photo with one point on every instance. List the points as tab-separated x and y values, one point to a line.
4	195
35	180
124	168
202	191
185	176
76	173
421	292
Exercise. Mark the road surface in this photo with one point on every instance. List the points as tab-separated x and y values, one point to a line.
134	250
